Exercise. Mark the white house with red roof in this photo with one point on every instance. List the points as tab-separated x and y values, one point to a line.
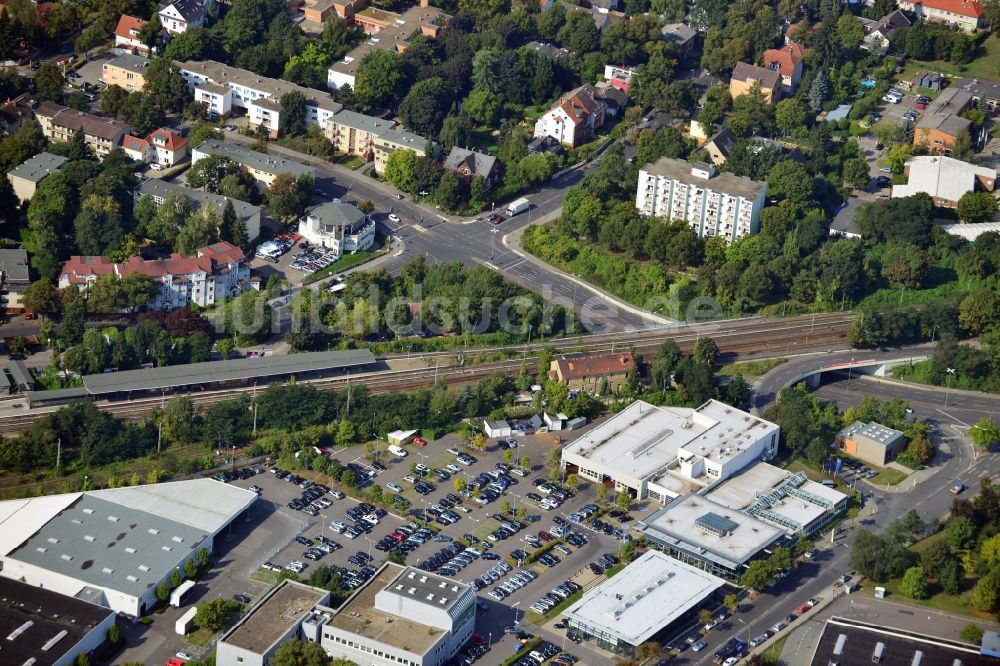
168	146
137	149
787	61
966	14
127	34
574	119
218	271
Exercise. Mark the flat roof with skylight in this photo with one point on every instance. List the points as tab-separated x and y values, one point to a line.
648	595
710	531
270	620
42	626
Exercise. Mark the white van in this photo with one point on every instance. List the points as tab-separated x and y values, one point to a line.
397	451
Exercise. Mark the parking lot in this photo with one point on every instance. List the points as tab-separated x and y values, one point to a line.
474	524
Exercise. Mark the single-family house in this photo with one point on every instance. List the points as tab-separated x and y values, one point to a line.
176	16
787	61
719	146
15	111
168	146
574	119
589	372
879	35
682	36
745	76
127	35
470	164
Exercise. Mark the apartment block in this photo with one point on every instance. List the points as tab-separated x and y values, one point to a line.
59	123
713	204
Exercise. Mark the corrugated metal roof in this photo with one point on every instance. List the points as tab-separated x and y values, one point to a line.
223	371
203	503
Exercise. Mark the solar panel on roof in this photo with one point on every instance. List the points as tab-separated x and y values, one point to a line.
715	524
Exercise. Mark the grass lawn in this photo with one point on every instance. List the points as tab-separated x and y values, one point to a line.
940	601
750	369
984	66
772	653
200	637
482	138
354	163
888	476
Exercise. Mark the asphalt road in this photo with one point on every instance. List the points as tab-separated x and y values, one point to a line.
441	238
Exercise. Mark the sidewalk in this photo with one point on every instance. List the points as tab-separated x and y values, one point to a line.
512	242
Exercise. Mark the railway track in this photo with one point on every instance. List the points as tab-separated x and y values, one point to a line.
744	338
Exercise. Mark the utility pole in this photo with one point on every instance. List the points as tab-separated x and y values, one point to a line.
58	453
348	394
947	394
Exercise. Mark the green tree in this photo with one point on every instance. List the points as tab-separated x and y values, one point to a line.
82	659
190	568
986	594
975	206
199	230
162	592
424	108
819	92
914	583
972	633
731	602
979	311
379	79
706	351
49	83
449	194
42	298
791	116
99	226
300	653
856	173
202	556
213	615
400	169
165	85
293	113
960	532
143	112
114	634
985	432
114	100
905	264
757	575
287	197
175	578
624	500
482	106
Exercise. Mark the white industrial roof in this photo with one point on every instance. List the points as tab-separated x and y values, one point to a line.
645	597
738	492
941	177
677	524
203	503
643	438
970	231
21	518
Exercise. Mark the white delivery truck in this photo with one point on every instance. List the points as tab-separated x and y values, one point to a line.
518	206
397	451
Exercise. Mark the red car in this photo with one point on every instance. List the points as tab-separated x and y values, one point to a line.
545	536
419	441
920	106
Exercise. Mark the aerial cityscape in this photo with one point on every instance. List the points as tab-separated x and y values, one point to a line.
500	332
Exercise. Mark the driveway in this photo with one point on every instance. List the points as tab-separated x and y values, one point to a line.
90	71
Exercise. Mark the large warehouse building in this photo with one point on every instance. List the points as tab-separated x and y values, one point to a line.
47	629
401	617
650	599
114	547
663	452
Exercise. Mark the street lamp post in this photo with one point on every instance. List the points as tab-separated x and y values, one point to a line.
947	394
514	608
748	629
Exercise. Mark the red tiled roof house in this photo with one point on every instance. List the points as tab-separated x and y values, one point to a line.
574	119
588	371
218	271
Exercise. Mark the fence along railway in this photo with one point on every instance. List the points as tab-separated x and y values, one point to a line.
133	394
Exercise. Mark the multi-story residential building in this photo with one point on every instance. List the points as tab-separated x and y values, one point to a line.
318	11
224	88
371	138
390	32
15	111
338	226
787	61
127	35
965	14
176	16
574	119
59	123
746	76
159	190
713	204
14	279
25	177
169	147
125	71
402	616
262	166
218	271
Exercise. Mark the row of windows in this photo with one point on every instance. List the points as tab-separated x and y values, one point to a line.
378	653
